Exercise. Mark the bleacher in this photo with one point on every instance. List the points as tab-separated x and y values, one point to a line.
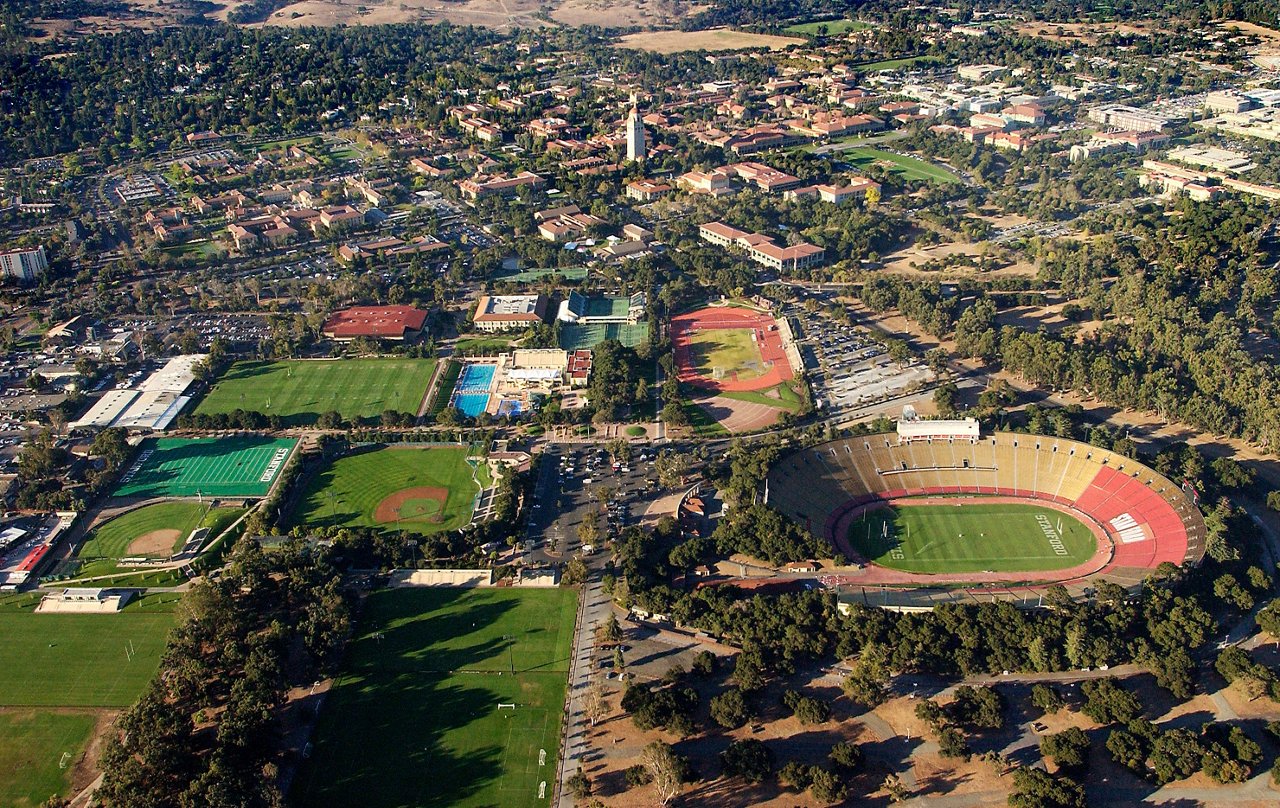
1148	518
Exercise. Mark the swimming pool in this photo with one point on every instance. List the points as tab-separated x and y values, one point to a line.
511	407
471	404
475	378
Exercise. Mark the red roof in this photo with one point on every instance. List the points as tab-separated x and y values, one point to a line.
375	321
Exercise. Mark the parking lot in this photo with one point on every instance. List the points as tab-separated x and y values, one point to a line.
853	368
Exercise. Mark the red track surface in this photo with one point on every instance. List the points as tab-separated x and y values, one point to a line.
768	340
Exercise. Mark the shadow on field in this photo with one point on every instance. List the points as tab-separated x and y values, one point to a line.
383	737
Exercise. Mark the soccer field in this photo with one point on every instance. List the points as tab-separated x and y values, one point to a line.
412	488
414	718
972	537
726	353
241	466
80	660
299	391
34	745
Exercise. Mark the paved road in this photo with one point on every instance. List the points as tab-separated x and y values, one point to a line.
593	610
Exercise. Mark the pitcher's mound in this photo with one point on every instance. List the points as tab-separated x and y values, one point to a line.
421	504
155	543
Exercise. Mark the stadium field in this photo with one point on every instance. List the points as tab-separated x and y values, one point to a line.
34	746
144	531
240	466
972	537
80	660
299	391
412	488
414	718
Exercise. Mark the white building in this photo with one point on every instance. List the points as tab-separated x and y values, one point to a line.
25	265
635	136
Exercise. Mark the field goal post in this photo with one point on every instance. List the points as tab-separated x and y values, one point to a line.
510	706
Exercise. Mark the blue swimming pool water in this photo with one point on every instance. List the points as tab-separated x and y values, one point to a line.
475	378
511	407
471	404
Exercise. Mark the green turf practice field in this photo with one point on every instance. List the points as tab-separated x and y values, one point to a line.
139	532
414	718
729	352
240	466
38	752
300	390
413	488
972	537
80	660
909	168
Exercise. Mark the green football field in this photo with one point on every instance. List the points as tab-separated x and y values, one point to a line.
414	719
972	537
239	466
435	483
112	539
300	390
38	752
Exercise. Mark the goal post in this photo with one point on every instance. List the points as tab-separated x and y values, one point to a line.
502	706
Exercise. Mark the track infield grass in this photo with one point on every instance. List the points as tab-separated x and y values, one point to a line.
33	744
80	660
239	466
299	391
910	168
972	537
729	353
413	719
349	491
112	539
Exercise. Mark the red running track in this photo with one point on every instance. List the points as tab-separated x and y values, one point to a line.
768	341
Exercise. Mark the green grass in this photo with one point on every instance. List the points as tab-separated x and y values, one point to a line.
531	275
209	467
444	387
729	350
971	537
910	168
413	719
788	399
474	346
80	660
833	27
32	745
701	421
300	390
111	540
348	491
890	64
637	431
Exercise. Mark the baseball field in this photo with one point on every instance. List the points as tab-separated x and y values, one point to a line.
972	537
156	530
299	391
414	719
239	466
413	488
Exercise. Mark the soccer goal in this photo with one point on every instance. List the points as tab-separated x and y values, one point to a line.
502	706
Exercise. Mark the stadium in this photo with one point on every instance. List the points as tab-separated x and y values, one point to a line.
998	516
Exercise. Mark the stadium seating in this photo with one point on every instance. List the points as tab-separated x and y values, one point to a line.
1147	517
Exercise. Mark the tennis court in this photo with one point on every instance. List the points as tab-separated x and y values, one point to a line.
240	466
585	336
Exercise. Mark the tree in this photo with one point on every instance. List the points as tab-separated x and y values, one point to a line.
1046	698
595	705
667	770
579	784
826	787
1036	788
981	706
806	708
952	743
704	663
729	709
846	756
575	572
893	786
1106	702
749	759
1068	749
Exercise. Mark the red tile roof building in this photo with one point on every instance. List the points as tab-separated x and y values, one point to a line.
378	322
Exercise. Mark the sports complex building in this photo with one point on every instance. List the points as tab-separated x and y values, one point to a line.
839	490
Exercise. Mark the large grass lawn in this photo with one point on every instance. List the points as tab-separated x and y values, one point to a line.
910	168
972	537
729	352
413	719
80	660
299	391
351	489
826	27
38	750
113	539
